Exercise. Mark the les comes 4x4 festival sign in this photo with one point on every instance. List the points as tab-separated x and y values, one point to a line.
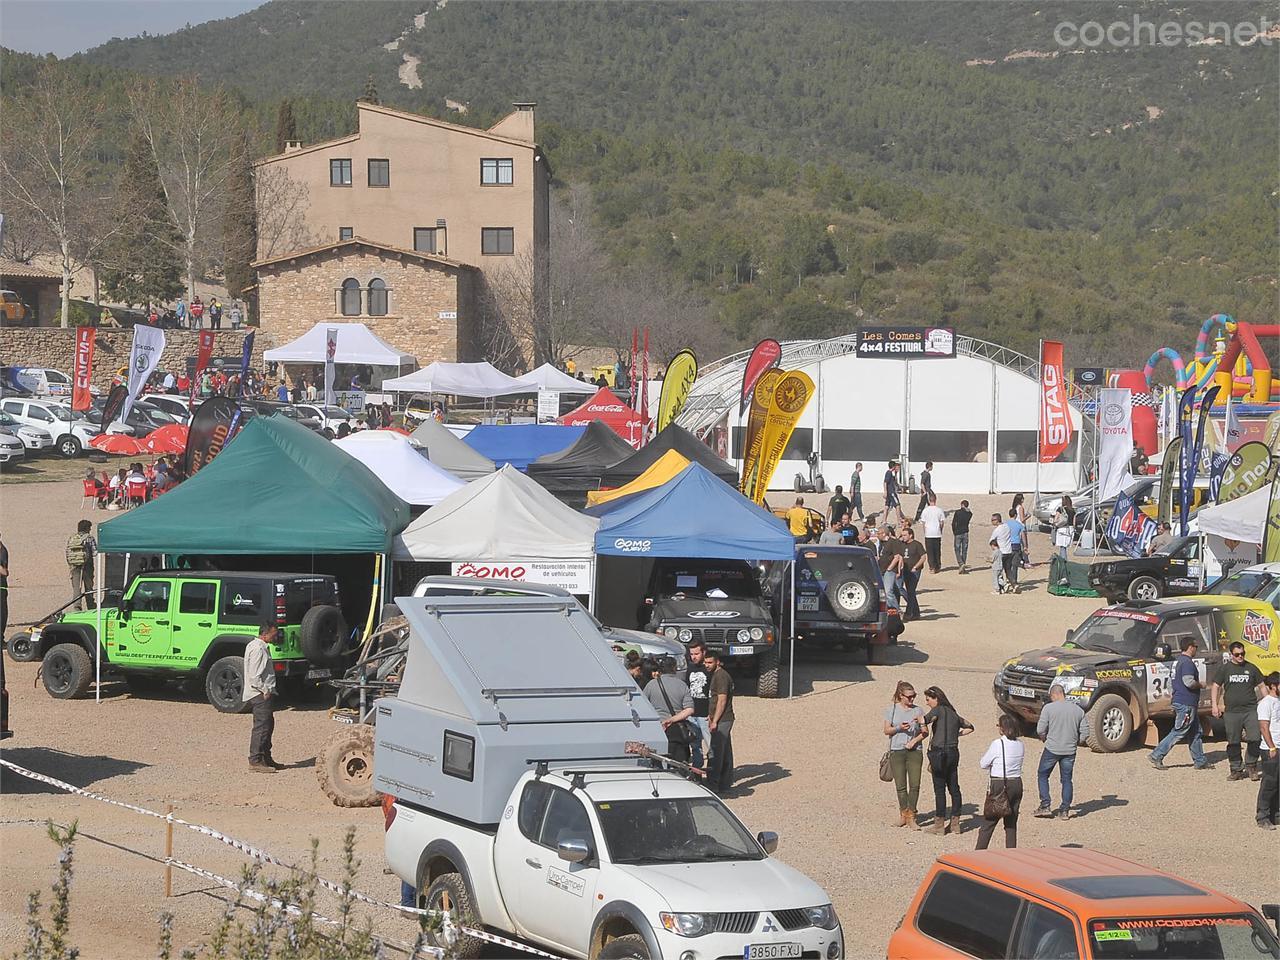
906	343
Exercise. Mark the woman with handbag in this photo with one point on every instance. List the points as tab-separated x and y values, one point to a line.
904	727
1003	761
946	728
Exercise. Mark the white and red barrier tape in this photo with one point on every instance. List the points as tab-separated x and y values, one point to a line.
259	854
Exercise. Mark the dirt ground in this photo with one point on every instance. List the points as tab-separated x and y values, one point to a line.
807	768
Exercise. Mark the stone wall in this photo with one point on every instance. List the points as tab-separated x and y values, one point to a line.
55	347
427	302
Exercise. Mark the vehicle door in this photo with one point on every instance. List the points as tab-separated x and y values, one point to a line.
59	384
1182	574
1257	629
146	629
38	416
549	899
194	620
1159	673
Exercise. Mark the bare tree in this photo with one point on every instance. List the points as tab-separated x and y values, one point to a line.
46	172
282	208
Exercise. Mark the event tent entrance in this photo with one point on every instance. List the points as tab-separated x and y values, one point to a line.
572	472
448	452
549	378
1232	533
400	465
673	437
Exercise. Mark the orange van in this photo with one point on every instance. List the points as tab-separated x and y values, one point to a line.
1065	903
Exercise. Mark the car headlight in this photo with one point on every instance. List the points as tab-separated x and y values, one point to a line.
685	924
1069	683
682	663
823	916
744	636
757	633
685	634
670	632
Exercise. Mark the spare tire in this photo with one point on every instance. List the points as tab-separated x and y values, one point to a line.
323	636
21	649
851	595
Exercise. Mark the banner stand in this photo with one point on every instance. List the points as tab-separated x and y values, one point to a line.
791	669
97	652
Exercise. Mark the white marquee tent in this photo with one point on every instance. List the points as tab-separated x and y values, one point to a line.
548	377
356	344
450	452
482	380
1243	519
401	466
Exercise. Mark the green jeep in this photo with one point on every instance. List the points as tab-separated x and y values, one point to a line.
193	625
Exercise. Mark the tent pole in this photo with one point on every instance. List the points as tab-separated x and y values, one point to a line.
97	652
591	600
791	669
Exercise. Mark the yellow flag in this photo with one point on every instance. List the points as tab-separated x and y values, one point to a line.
681	372
790	397
752	444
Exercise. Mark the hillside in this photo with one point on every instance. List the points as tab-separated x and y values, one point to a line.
913	160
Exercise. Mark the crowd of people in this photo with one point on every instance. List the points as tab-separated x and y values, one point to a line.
182	315
134	485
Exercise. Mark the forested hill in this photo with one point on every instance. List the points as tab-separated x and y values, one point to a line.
920	160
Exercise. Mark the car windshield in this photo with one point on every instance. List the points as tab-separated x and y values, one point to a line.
1188	548
67	414
1238	937
1246	583
678	830
337	413
157	414
1122	632
718	582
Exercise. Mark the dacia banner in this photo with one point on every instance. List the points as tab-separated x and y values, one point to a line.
790	396
1055	421
213	425
753	441
148	345
681	372
1193	462
766	355
1115	423
1129	530
82	376
1271	533
1172	453
1246	471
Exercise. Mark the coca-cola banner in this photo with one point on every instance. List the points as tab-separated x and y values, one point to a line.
82	377
616	415
213	425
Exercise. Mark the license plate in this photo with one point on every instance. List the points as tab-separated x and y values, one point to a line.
807	603
319	673
740	651
772	951
1025	692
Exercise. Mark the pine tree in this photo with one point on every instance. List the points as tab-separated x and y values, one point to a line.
370	91
286	126
141	265
240	221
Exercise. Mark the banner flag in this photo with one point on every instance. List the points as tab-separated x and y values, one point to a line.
246	355
1115	423
330	351
1272	436
753	440
111	409
1233	436
1186	465
148	345
204	353
213	425
790	396
635	362
1129	530
1217	466
82	378
1271	533
644	390
1192	463
1172	451
1055	421
681	372
766	355
1246	471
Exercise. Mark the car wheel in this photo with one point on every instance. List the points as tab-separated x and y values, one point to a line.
69	446
1145	588
345	767
1110	724
851	596
67	671
449	892
224	685
21	649
629	947
767	663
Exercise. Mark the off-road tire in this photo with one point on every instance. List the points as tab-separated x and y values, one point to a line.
323	636
224	685
1110	724
1145	588
629	947
21	649
67	671
767	664
70	446
345	767
449	891
851	595
143	683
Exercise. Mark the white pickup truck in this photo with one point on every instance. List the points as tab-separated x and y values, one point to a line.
614	860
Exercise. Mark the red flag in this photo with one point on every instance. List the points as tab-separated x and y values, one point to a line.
644	391
1055	421
81	395
766	355
203	356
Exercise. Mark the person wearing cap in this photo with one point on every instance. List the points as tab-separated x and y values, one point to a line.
260	694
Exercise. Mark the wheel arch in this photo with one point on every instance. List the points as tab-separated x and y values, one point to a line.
80	634
617	918
224	645
1137	704
440	857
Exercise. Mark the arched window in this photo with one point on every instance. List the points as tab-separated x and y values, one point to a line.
351	297
377	298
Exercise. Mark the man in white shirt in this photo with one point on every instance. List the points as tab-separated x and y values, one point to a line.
1269	727
933	517
169	381
259	693
1001	550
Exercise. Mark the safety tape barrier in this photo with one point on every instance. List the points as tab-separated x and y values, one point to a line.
259	854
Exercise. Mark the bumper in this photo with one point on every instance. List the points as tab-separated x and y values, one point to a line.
1027	708
814	943
301	668
33	446
9	454
839	631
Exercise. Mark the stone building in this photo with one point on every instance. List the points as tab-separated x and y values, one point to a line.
38	291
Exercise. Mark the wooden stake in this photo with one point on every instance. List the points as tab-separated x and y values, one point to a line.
168	850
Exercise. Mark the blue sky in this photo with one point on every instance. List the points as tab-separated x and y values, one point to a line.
64	27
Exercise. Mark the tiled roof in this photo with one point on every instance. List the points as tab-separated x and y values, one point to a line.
11	268
357	242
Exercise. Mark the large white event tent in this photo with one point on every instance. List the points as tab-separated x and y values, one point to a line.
1231	533
401	466
482	380
450	452
549	377
356	344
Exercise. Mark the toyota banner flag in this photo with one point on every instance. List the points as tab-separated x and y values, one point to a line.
1115	446
82	377
148	345
1055	421
330	352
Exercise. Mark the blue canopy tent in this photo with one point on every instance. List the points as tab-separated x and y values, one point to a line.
519	444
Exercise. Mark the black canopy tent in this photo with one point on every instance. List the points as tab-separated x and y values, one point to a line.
571	472
672	437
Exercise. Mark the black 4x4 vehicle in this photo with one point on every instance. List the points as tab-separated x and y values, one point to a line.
193	625
1173	572
839	600
720	603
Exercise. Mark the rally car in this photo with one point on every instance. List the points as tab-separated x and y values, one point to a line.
1118	664
1172	572
1260	581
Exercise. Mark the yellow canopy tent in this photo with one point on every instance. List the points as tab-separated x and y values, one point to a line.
662	470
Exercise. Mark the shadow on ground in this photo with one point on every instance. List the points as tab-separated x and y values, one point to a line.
77	770
748	776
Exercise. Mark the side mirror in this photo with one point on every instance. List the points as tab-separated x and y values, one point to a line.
1272	912
768	840
1163	651
126	608
1070	633
573	850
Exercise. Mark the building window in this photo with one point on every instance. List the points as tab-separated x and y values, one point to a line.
346	233
377	297
379	173
339	173
497	173
424	239
351	297
498	240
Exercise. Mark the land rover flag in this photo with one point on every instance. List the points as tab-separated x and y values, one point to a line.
1055	421
148	345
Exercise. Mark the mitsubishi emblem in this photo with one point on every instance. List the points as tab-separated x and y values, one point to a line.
769	925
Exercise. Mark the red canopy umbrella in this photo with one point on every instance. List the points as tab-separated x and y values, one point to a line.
399	430
171	438
607	408
118	444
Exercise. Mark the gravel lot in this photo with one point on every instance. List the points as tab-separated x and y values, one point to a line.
807	769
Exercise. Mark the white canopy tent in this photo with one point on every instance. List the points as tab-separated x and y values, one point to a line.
482	380
450	452
549	377
1232	532
401	466
356	344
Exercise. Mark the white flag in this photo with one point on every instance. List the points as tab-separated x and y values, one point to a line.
330	351
148	345
1235	434
1115	424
